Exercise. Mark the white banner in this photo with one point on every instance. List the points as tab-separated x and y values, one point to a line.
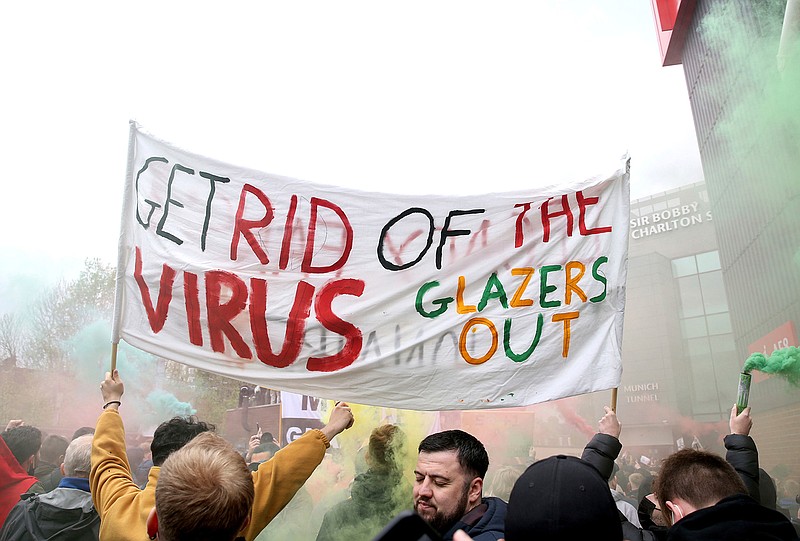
300	406
415	302
299	414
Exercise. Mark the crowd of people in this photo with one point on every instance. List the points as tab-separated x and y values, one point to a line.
191	484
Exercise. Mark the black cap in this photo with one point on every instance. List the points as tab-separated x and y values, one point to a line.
562	497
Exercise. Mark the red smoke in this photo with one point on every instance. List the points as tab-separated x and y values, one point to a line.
565	408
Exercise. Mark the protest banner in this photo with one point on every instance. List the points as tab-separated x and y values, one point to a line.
416	302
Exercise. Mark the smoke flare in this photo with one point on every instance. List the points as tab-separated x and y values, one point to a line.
782	362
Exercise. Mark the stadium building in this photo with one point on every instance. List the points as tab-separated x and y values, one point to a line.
742	72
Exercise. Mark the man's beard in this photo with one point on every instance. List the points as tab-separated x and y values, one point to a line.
442	523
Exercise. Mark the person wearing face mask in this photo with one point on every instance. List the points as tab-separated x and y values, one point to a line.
702	497
19	451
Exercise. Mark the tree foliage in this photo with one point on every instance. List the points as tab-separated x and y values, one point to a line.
61	312
11	337
60	334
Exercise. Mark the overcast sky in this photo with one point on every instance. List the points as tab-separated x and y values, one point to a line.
443	97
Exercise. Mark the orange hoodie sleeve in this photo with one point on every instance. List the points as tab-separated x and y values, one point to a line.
278	479
123	506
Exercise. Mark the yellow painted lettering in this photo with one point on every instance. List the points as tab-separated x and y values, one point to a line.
462	341
462	308
572	281
566	317
517	301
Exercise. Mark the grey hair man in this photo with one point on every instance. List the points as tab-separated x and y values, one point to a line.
67	510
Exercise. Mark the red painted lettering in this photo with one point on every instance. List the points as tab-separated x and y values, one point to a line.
295	325
307	265
584	202
287	233
332	322
221	314
397	252
481	235
244	227
158	316
519	236
192	296
546	216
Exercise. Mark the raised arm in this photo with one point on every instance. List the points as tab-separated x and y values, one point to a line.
111	477
741	451
279	478
605	446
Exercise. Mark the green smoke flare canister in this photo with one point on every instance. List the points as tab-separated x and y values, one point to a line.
743	396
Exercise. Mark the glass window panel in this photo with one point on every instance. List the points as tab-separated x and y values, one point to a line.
691	298
714	298
684	266
727	368
646	209
694	327
719	324
722	344
676	202
703	374
708	261
661	205
699	349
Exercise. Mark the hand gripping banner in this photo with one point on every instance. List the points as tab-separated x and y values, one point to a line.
416	302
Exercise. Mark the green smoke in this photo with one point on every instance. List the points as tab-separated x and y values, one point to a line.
89	354
757	132
166	406
782	362
769	111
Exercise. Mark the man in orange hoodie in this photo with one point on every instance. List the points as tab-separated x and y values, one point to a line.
124	508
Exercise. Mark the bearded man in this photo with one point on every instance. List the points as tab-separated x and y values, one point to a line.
448	487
